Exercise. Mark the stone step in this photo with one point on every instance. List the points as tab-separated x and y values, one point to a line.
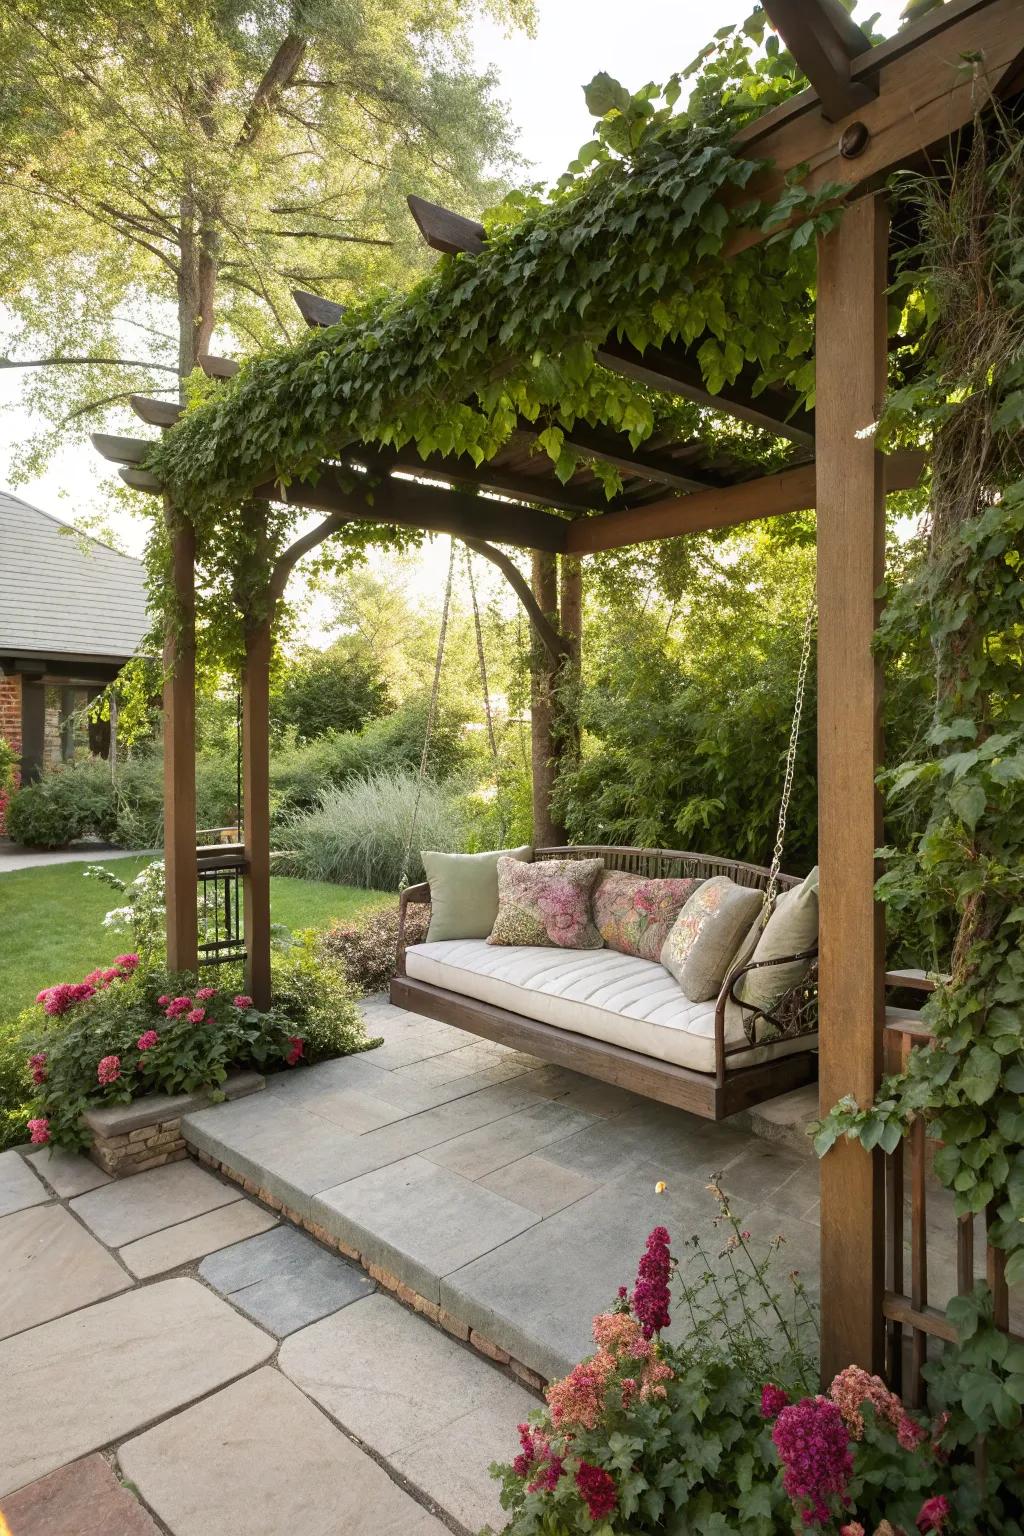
784	1120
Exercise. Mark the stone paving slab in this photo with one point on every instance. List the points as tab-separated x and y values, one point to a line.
539	1184
284	1280
126	1209
263	1461
19	1186
478	1153
82	1381
122	1119
67	1173
436	1412
194	1239
84	1499
419	1221
51	1265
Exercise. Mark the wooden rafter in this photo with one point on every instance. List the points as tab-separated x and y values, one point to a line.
824	39
669	369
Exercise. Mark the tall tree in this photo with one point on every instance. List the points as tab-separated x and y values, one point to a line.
171	168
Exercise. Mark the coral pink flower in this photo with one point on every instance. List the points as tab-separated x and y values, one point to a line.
852	1528
854	1387
597	1489
933	1514
39	1132
241	1001
146	1041
109	1070
773	1400
205	993
196	1015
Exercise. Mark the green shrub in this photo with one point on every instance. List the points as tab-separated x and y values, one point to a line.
311	987
325	691
15	1085
357	835
73	801
139	796
367	950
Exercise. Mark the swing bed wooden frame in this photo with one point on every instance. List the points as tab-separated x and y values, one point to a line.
713	1096
868	111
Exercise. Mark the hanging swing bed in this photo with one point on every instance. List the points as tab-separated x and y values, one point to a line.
618	1016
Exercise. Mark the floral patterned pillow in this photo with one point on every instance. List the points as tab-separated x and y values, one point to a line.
634	914
705	936
546	903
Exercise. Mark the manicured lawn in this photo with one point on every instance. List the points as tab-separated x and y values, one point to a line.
51	921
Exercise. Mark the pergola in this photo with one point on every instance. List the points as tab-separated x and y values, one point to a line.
867	112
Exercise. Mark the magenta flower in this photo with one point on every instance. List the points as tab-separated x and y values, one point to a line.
297	1049
58	1000
651	1293
196	1015
109	1070
146	1041
42	996
933	1514
597	1489
39	1132
773	1400
814	1447
205	993
241	1001
127	962
178	1006
163	1001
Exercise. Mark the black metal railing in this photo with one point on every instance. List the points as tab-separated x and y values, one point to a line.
221	869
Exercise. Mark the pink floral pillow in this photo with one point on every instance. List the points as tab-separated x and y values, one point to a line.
547	903
634	914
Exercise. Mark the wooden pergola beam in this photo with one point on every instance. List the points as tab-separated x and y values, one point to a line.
923	94
499	482
791	490
824	39
217	367
616	450
317	312
155	413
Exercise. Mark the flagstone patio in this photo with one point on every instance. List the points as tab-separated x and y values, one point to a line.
169	1321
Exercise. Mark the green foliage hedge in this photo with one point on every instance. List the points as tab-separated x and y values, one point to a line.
74	801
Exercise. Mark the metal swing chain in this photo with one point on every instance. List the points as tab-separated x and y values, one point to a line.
431	714
481	658
794	741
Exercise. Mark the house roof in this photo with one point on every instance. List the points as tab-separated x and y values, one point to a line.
62	594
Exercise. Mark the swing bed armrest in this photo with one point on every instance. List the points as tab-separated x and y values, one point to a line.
794	1012
413	895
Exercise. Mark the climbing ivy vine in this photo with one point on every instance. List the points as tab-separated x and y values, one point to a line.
964	282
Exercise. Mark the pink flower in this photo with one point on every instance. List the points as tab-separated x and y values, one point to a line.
113	974
109	1070
37	1063
196	1015
296	1052
651	1294
205	993
39	1132
814	1448
163	1001
59	999
178	1006
42	996
241	1001
81	991
852	1528
910	1433
773	1400
146	1041
933	1514
127	962
597	1489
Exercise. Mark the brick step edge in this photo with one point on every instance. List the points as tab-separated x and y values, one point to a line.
387	1282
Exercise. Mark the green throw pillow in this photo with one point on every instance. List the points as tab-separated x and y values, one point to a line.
705	935
464	892
791	930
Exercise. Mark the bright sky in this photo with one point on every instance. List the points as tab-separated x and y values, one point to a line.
541	80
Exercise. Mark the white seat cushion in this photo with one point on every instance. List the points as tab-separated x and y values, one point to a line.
609	996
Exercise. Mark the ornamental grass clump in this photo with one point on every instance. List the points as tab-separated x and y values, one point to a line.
705	1433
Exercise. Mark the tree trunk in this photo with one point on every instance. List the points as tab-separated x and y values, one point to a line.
570	611
197	286
543	706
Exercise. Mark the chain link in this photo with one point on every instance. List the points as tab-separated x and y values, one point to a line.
794	741
431	714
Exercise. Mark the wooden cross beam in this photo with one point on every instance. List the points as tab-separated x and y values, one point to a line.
669	369
824	39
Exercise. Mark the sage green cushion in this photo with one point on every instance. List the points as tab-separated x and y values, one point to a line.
704	937
791	929
464	892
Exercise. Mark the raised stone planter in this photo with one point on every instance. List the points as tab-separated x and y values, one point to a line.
129	1138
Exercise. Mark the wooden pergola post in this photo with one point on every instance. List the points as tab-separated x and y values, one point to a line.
179	705
256	807
851	381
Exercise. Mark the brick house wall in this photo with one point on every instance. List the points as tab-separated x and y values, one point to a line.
10	727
